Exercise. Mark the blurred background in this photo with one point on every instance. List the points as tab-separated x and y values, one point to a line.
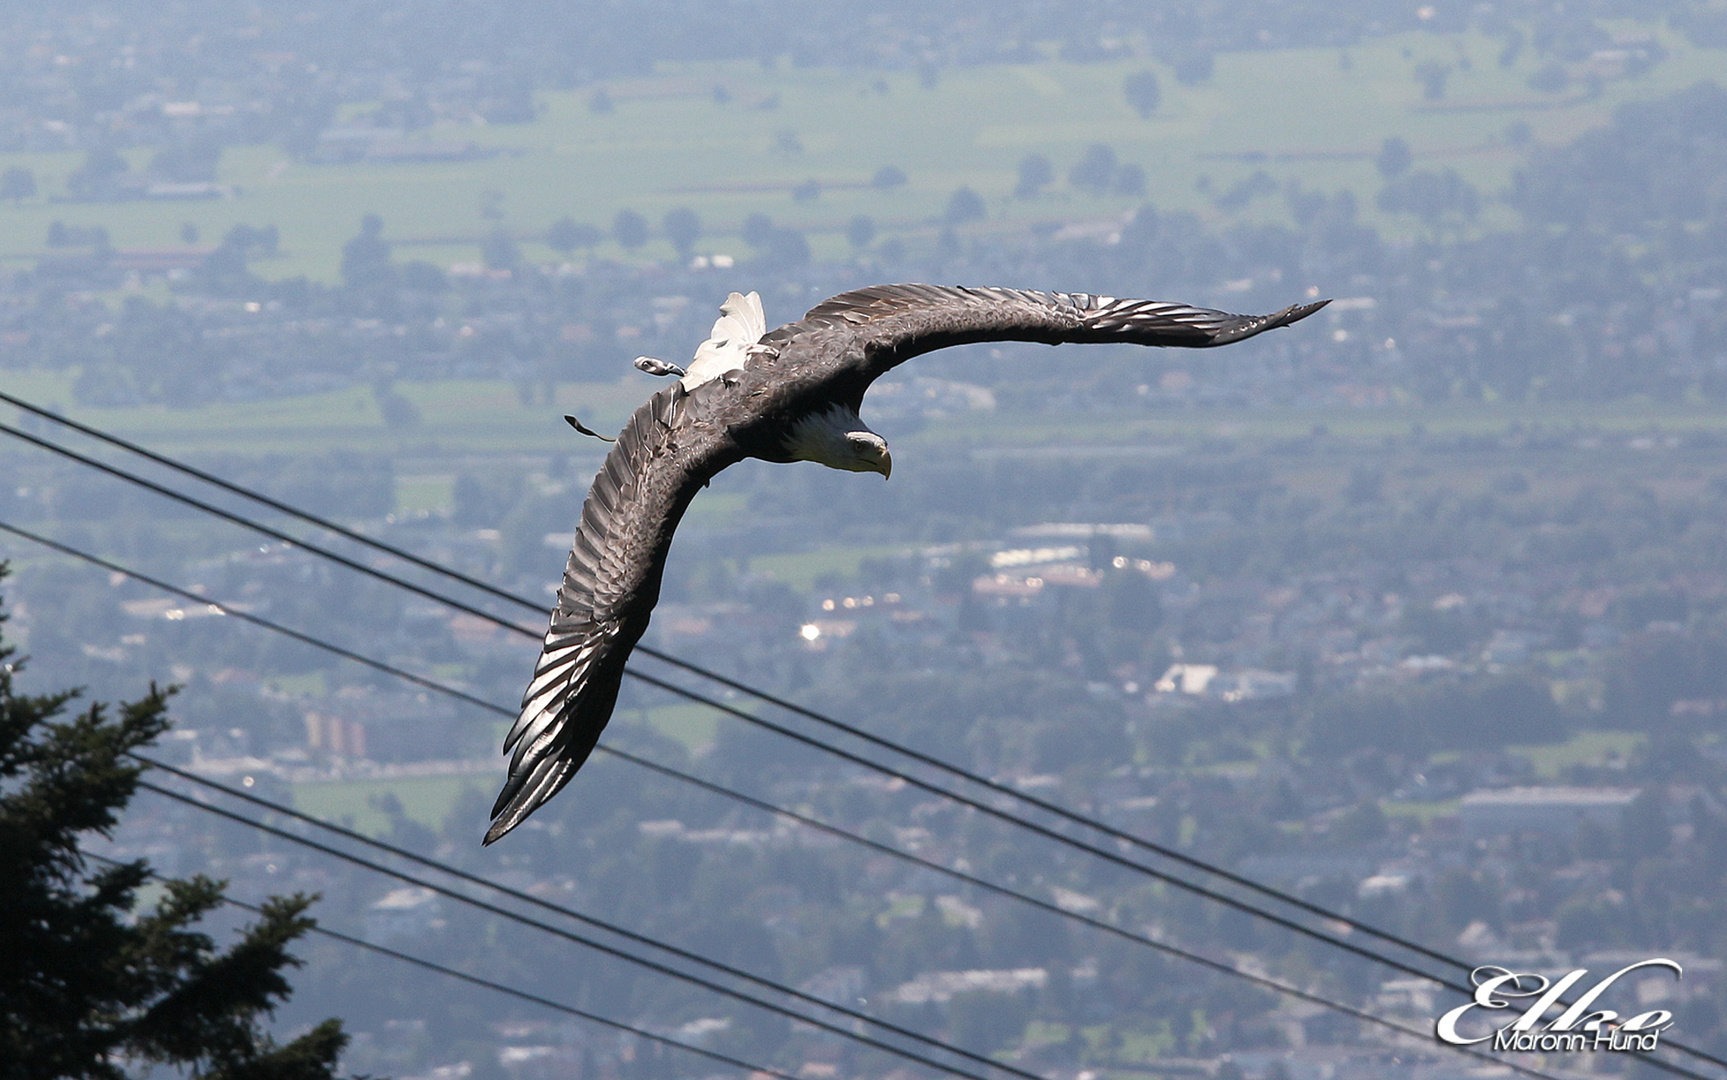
1416	611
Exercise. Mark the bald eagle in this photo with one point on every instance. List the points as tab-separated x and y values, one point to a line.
789	395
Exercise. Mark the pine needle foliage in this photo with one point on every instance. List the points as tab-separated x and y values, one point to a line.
90	986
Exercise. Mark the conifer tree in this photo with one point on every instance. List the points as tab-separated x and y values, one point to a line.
89	986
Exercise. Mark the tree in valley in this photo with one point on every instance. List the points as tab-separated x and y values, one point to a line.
90	984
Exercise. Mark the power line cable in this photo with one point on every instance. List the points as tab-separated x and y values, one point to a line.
256	620
1195	958
797	736
516	598
432	684
368	864
1261	981
780	729
473	878
1060	838
523	995
446	868
765	696
275	504
571	936
970	776
266	530
683	954
589	920
958	875
800	710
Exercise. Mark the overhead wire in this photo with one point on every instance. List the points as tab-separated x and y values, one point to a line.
779	729
589	920
490	984
1165	947
1358	1014
579	939
601	924
265	530
275	504
787	732
930	760
767	697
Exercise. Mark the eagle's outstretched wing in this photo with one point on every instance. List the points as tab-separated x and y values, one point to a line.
661	459
683	436
898	322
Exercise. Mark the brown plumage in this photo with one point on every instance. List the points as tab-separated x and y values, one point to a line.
794	396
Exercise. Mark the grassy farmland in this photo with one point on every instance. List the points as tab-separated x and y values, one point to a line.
1311	115
429	800
425	799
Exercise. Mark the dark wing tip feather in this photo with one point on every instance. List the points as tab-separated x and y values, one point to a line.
575	683
1258	324
528	790
1161	322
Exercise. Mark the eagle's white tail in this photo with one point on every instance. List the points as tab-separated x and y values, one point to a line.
740	325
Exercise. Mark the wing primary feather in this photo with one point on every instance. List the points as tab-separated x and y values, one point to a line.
523	797
1156	322
610	584
897	322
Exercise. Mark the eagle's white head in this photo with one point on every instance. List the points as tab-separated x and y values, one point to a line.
838	438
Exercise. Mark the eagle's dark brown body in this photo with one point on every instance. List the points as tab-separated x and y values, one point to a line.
682	437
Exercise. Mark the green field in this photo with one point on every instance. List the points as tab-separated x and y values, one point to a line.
425	494
1423	812
425	799
801	569
695	726
1591	748
459	415
429	800
1316	115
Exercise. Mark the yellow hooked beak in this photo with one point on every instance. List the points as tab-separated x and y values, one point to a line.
868	453
876	458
